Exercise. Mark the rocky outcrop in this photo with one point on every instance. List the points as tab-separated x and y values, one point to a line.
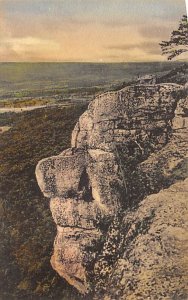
134	114
152	261
127	145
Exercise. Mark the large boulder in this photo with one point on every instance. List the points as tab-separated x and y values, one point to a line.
127	145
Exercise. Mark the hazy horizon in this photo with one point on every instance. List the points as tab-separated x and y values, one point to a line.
90	31
50	75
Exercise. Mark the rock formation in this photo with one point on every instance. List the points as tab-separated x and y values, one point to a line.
152	261
128	144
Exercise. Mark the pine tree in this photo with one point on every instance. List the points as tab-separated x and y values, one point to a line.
178	42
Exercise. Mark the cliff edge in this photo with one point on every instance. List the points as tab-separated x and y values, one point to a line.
119	196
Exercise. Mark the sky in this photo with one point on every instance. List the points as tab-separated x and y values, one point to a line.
86	30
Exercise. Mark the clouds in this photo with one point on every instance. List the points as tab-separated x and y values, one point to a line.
27	48
146	50
147	47
86	30
99	8
157	31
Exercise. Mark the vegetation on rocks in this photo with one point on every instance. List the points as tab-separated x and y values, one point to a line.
27	229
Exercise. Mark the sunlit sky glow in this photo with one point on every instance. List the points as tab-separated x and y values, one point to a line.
86	30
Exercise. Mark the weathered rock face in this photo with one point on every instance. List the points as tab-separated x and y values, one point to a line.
152	262
125	146
134	113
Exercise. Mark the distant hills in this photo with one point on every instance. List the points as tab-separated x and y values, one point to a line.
40	79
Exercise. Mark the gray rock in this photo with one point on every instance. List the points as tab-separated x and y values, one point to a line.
127	145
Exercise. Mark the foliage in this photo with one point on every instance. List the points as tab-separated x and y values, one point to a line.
178	42
24	102
19	80
27	231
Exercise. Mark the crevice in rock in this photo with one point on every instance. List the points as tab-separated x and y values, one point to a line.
84	187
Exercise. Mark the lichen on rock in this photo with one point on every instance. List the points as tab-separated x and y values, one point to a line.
128	145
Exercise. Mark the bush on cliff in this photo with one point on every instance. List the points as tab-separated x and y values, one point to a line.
27	230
